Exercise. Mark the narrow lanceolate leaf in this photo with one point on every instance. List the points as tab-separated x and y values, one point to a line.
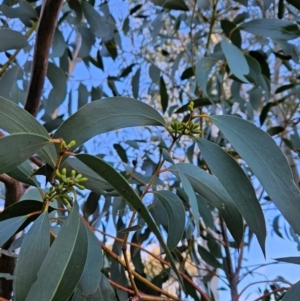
9	227
294	260
293	293
16	148
272	28
171	4
14	119
62	268
120	184
176	216
106	115
238	186
267	162
203	69
236	60
164	97
96	21
107	292
35	247
91	274
211	189
23	173
11	39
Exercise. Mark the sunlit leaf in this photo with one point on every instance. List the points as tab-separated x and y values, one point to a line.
35	246
16	148
267	162
176	216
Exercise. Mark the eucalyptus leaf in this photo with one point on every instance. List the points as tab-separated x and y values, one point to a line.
11	39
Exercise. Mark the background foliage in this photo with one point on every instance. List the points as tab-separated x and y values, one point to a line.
120	81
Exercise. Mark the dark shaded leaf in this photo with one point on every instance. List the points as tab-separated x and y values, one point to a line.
91	204
232	32
187	73
164	97
295	3
293	293
121	152
208	257
135	82
83	95
267	162
275	130
171	4
294	260
126	71
35	246
111	47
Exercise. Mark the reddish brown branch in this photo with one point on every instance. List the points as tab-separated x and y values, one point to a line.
280	289
44	36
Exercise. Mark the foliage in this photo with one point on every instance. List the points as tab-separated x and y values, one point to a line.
192	80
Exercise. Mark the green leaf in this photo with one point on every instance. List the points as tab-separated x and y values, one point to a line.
58	44
8	81
238	186
293	293
107	172
83	95
126	71
34	249
208	257
23	173
16	148
11	39
272	28
91	274
111	47
236	60
171	4
164	97
106	115
203	69
97	23
187	73
121	152
94	183
243	2
275	130
136	83
232	32
62	267
154	73
9	227
14	119
176	216
267	162
211	189
294	260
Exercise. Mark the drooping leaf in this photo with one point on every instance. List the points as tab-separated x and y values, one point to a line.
207	257
90	205
293	293
111	47
211	189
171	4
136	83
8	80
117	181
9	227
203	69
164	97
91	274
243	2
236	60
294	260
23	173
121	152
35	246
83	95
107	292
14	119
58	44
187	73
176	216
232	32
126	71
154	73
272	28
97	23
61	269
11	39
16	148
101	116
267	162
238	186
295	3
